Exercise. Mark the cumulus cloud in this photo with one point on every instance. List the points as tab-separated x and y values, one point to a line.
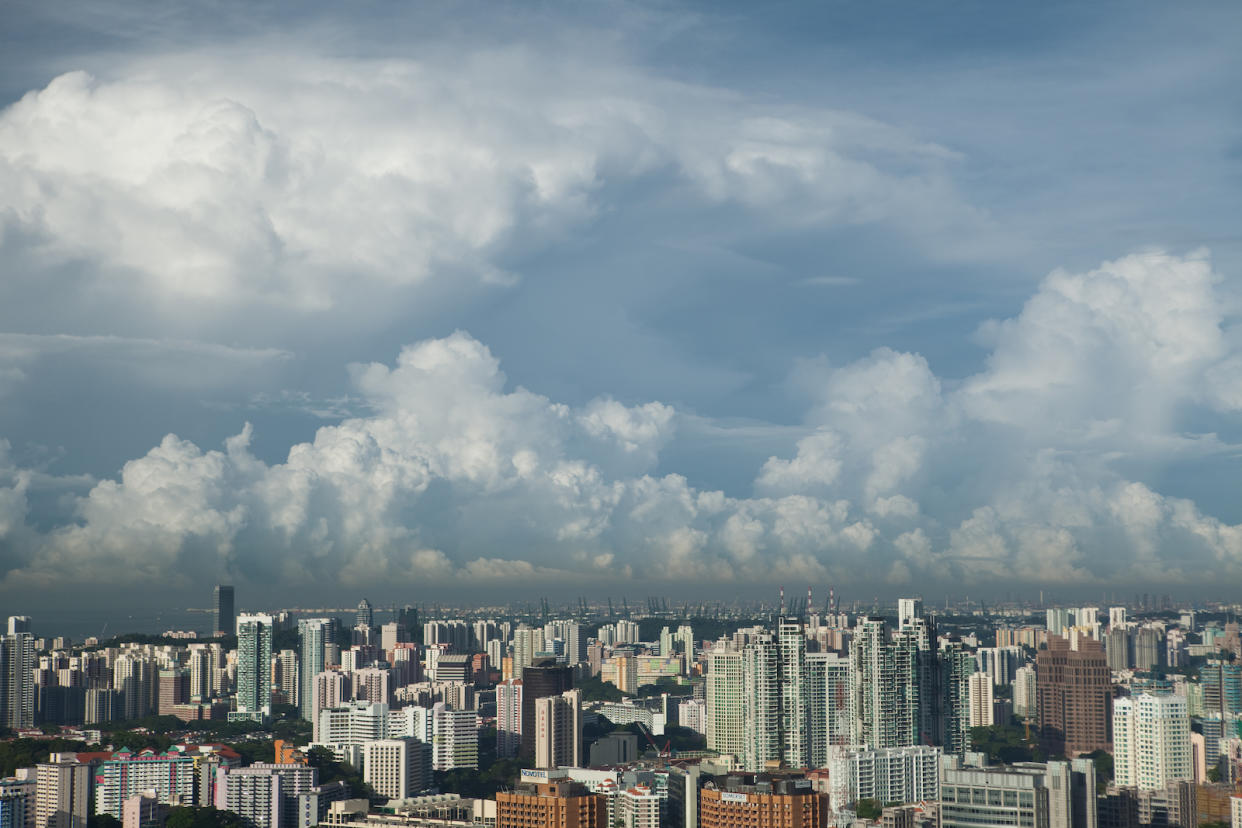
291	186
455	473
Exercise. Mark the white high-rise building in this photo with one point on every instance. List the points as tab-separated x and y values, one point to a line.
254	665
1151	741
981	700
1057	619
526	642
316	634
254	794
1116	617
17	687
1025	701
685	635
558	730
396	768
638	807
761	704
725	724
455	738
508	719
353	724
793	694
62	792
908	609
329	689
908	774
828	705
883	686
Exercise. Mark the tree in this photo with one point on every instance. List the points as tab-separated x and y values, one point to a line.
1103	766
868	809
205	817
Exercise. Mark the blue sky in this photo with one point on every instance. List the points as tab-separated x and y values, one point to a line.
562	294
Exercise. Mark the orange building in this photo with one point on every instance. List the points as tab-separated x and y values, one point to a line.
760	800
288	754
556	804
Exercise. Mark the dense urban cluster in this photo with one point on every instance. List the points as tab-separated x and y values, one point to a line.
1013	717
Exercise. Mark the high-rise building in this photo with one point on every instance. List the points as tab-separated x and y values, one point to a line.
253	794
1075	693
397	768
685	639
254	666
981	700
225	613
19	624
17	685
828	705
1055	795
908	609
17	801
776	801
1025	700
508	719
957	665
316	634
792	688
638	807
62	792
725	719
883	693
455	738
174	690
555	804
365	617
1151	741
526	642
908	774
761	704
558	730
286	678
144	810
1149	651
543	678
1222	687
1118	649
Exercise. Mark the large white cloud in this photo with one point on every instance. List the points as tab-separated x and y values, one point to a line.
901	475
290	185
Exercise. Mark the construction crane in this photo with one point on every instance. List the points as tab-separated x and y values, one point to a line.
663	754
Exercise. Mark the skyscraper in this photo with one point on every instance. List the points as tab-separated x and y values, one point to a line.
792	689
828	705
884	692
725	725
1151	741
225	613
543	678
254	666
508	718
315	633
62	792
558	730
957	665
1075	692
365	617
980	700
17	687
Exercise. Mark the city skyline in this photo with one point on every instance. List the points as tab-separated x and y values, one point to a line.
636	299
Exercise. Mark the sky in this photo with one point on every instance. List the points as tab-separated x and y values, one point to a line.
420	300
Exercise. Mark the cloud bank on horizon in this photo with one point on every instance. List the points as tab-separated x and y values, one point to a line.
603	284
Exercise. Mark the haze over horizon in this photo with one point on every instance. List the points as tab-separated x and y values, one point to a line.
618	299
